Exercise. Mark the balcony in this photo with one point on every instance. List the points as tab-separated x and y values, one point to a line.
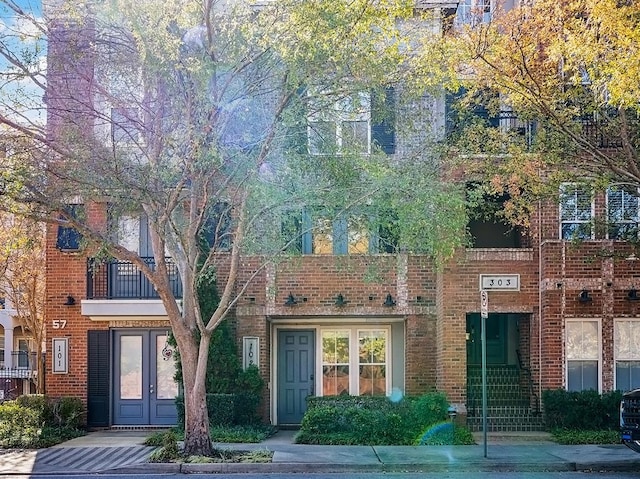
123	280
23	366
599	134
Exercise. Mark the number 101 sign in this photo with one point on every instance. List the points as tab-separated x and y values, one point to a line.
500	282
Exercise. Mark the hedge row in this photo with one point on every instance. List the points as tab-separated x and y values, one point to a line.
581	410
226	409
371	420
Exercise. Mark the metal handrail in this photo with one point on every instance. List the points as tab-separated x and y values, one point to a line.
114	279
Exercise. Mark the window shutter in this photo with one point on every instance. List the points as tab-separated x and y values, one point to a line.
383	106
297	136
98	378
307	233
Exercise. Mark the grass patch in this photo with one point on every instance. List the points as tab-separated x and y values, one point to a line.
576	436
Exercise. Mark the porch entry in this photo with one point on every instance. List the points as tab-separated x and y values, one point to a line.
296	365
501	343
144	390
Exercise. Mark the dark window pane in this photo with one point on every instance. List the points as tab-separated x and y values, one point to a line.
69	238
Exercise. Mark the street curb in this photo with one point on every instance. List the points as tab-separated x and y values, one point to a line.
490	465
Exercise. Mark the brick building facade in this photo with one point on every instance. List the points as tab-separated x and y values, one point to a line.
561	314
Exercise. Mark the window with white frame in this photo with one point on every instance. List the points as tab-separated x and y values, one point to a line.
623	208
355	361
576	211
583	354
626	346
344	126
473	12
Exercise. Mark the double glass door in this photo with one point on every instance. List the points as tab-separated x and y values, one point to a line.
144	388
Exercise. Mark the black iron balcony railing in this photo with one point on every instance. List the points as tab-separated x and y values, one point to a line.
123	280
596	131
23	364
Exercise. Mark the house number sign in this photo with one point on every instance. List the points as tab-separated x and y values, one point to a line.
60	362
500	282
250	351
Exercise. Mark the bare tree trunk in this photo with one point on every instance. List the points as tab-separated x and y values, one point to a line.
197	440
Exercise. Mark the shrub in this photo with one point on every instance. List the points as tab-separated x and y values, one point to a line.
67	413
574	436
169	451
20	426
241	434
248	394
221	408
371	420
581	410
36	421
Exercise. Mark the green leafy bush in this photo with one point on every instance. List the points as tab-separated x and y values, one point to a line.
33	421
221	409
248	393
66	412
20	426
374	420
241	434
574	436
581	410
169	451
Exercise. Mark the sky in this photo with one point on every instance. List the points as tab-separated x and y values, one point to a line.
19	97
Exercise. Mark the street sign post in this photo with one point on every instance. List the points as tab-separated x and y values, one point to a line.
484	314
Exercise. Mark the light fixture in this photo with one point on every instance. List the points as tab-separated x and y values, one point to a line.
340	301
584	297
291	300
70	301
389	302
632	295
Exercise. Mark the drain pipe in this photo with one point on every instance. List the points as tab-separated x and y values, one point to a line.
539	406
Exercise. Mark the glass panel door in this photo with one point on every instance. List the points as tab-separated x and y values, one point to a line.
144	388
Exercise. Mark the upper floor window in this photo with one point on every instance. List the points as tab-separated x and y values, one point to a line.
217	229
473	12
125	125
68	238
623	212
310	233
576	211
343	127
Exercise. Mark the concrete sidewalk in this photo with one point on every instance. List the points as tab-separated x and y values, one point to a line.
124	452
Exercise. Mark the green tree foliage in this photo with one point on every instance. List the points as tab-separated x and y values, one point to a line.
184	113
568	71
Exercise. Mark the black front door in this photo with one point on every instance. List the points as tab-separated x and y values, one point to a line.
296	365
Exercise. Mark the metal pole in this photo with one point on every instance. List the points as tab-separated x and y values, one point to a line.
483	338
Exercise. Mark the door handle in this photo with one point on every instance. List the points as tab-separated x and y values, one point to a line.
312	384
151	388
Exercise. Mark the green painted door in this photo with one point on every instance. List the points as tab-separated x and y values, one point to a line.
296	354
497	340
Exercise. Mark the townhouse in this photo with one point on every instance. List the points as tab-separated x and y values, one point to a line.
353	314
